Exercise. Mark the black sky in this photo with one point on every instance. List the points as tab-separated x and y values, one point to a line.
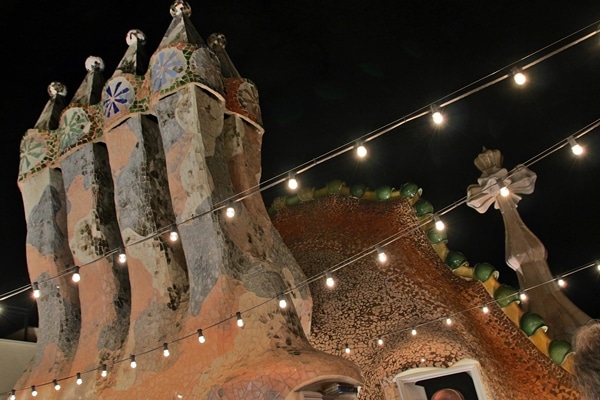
329	72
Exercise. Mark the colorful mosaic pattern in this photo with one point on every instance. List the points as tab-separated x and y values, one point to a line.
174	67
167	68
75	125
242	97
118	95
38	149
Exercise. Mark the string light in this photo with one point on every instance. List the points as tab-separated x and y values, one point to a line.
230	211
201	337
439	224
381	256
523	296
519	77
448	321
361	150
575	147
132	363
174	234
436	115
504	191
78	379
76	277
13	395
380	342
292	181
36	290
598	265
282	301
329	281
166	351
240	321
122	258
56	385
561	282
410	117
34	392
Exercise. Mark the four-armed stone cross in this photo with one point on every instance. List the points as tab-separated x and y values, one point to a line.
525	253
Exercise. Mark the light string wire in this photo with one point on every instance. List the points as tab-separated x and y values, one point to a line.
367	251
493	301
267	184
332	154
282	177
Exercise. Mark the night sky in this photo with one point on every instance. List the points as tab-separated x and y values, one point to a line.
330	72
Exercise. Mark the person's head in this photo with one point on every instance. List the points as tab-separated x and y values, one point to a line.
586	360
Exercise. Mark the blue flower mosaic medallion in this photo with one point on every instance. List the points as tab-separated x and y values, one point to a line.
118	96
168	66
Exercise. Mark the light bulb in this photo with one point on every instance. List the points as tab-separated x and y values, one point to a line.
230	212
201	337
523	296
104	371
78	380
439	224
34	392
36	290
122	257
381	256
240	321
329	281
519	78
485	309
448	321
413	332
347	349
133	363
598	265
282	301
561	282
380	341
76	277
361	150
504	191
173	236
437	117
13	395
575	147
292	182
56	385
166	351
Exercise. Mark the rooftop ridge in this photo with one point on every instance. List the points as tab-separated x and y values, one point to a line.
506	297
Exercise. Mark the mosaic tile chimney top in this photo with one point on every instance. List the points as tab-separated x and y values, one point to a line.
162	145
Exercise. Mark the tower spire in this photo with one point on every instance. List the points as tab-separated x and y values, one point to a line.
50	116
90	90
181	29
241	94
135	60
217	43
